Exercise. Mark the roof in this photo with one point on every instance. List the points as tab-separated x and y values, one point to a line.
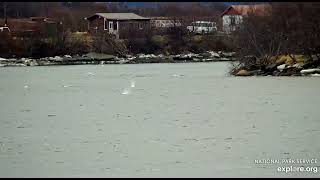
25	24
119	16
162	18
244	10
204	22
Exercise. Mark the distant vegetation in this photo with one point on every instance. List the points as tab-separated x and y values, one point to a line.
289	35
70	41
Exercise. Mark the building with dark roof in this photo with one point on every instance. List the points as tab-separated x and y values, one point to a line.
122	25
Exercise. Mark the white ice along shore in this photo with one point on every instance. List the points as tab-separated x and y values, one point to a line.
87	58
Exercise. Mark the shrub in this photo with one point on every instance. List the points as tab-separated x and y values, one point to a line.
78	43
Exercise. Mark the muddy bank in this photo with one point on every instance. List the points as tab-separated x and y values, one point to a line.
96	58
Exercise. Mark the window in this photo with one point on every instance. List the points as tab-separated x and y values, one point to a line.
232	20
105	25
110	25
140	25
115	25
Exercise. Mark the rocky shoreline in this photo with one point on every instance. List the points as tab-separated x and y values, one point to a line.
308	68
96	58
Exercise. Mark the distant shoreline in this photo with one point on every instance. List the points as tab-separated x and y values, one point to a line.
96	58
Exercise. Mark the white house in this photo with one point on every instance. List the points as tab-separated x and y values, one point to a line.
233	16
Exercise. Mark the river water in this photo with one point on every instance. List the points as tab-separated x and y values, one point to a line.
154	120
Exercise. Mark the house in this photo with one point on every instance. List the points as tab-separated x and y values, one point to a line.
122	25
164	22
233	15
39	26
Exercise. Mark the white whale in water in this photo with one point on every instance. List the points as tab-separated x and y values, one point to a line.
126	91
90	74
133	84
177	75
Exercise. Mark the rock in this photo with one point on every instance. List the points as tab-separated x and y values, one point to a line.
311	64
271	67
275	73
29	62
56	58
298	65
315	75
206	55
99	56
224	59
182	57
214	54
310	71
16	65
243	73
67	56
290	71
2	59
227	54
205	60
256	72
281	67
141	56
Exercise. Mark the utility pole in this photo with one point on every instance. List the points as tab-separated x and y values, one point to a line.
5	13
47	9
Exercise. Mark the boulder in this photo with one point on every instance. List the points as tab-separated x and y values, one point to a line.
99	56
160	55
281	67
257	72
276	73
18	65
206	55
224	59
271	67
298	65
227	54
290	71
56	58
182	57
310	71
315	75
131	58
214	54
311	64
243	73
67	56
